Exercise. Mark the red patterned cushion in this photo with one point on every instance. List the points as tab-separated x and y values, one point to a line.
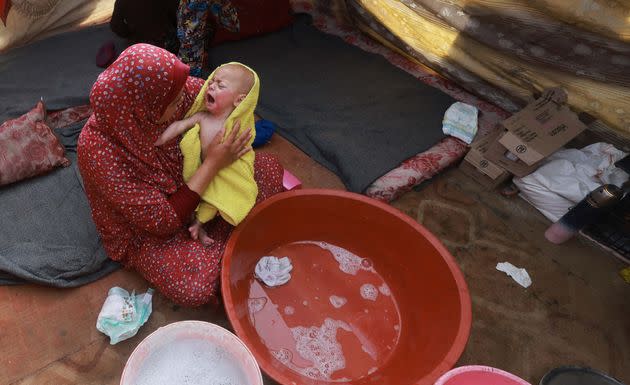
256	17
28	147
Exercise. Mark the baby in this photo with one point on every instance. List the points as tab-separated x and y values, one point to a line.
228	87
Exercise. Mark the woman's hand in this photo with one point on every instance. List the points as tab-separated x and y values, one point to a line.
232	148
220	155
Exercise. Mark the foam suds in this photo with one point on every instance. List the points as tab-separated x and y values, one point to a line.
282	355
369	292
285	357
384	289
190	362
337	301
370	351
349	263
289	310
320	346
305	303
255	305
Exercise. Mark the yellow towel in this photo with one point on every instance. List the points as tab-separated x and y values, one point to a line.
233	190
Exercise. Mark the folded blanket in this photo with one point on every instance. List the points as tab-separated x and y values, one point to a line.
48	235
232	193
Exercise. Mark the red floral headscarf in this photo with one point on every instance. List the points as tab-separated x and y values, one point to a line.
128	100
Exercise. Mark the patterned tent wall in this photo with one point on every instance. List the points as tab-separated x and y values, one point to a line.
507	51
24	21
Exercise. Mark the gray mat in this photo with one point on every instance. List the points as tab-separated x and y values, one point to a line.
61	69
352	111
48	235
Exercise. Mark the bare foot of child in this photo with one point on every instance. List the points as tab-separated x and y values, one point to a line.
204	238
198	233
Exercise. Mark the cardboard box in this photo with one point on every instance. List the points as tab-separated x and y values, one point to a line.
540	128
477	166
534	133
483	179
503	158
476	155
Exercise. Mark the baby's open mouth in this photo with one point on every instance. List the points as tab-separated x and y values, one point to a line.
209	98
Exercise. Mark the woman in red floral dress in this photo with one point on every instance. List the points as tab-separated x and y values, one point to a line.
139	200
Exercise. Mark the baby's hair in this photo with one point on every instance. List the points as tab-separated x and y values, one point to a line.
246	79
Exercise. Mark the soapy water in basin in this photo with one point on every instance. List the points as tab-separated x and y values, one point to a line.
384	289
320	346
190	362
337	301
348	262
321	323
369	292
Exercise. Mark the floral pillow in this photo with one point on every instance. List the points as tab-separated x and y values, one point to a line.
28	147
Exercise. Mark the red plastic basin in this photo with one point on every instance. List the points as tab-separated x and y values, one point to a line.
374	297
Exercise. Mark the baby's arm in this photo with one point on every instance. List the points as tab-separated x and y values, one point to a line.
177	128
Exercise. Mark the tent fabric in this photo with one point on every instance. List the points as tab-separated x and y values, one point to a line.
350	110
506	51
32	20
64	81
502	50
426	164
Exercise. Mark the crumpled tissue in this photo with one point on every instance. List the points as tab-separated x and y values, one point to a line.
460	121
122	313
274	271
518	274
